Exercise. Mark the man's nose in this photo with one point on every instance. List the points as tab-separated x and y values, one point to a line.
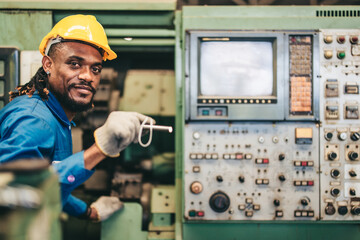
85	74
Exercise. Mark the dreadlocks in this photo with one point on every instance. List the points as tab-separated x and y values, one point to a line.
38	82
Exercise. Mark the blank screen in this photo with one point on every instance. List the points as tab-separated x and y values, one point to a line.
236	69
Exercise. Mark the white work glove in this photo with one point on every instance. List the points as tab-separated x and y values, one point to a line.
106	206
119	130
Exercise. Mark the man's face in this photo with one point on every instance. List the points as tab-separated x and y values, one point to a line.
74	75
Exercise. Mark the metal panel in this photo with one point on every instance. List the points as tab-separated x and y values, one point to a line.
24	29
90	4
10	79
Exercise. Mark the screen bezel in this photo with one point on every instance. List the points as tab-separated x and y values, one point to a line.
255	108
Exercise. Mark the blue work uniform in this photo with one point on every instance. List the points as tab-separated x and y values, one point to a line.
33	128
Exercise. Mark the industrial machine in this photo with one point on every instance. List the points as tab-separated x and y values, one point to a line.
270	123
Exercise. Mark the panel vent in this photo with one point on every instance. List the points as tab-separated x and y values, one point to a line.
338	13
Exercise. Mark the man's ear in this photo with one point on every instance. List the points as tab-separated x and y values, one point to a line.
47	63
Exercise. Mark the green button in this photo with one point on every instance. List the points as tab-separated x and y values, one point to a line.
341	55
192	213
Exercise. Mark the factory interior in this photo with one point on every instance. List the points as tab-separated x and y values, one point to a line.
259	104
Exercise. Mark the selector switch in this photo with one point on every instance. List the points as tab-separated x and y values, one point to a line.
219	178
355	136
353	156
335	173
219	202
282	177
241	179
329	136
355	210
276	202
352	192
335	192
304	202
330	209
342	210
332	155
352	173
281	156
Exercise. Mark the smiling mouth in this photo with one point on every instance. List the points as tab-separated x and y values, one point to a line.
84	89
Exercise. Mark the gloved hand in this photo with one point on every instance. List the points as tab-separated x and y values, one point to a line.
119	130
106	206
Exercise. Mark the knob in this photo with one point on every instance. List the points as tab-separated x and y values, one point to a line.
219	202
332	155
355	136
241	179
277	202
304	201
342	136
328	136
330	209
352	192
281	156
219	178
355	210
335	173
352	173
342	210
196	187
353	155
335	192
282	177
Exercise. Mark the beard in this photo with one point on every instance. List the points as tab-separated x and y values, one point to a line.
70	104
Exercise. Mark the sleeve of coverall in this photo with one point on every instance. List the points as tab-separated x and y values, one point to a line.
72	173
25	137
74	206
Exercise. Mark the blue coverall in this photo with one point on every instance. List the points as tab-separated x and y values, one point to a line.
33	128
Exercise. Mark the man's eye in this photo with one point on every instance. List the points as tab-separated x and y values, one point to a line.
74	64
96	70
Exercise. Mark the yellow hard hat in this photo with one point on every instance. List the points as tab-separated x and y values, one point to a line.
79	27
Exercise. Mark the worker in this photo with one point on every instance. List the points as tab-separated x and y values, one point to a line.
37	122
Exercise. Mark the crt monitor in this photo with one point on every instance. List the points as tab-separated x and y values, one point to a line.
249	75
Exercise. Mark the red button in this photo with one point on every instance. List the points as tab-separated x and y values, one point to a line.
200	213
265	160
310	183
218	112
239	156
304	163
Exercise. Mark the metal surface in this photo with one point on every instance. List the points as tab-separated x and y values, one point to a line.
214	202
343	127
24	29
9	79
90	4
124	224
23	218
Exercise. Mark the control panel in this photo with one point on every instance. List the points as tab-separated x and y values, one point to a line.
293	169
340	131
251	171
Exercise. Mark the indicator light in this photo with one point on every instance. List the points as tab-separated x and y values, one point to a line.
341	54
328	39
341	39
